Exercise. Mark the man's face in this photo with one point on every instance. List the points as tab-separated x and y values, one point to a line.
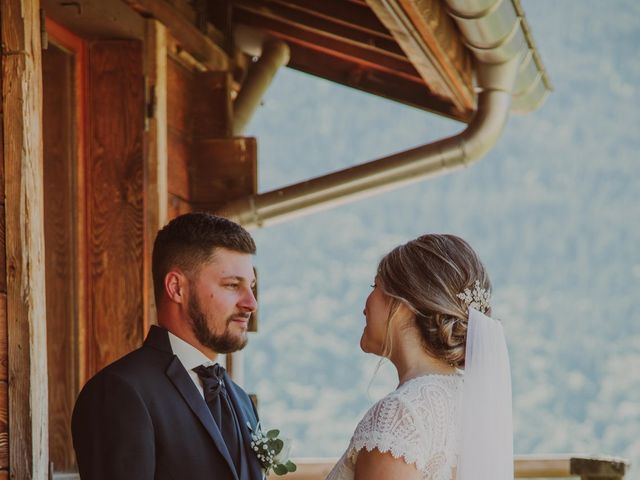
221	301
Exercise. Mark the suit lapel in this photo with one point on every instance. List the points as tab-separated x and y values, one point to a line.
183	383
245	418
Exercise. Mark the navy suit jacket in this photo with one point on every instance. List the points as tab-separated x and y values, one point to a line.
143	418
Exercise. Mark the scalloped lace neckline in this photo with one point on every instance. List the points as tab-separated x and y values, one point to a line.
432	376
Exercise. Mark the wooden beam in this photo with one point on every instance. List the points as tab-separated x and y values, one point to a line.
26	313
525	466
222	170
360	53
306	15
192	39
156	199
4	400
594	468
356	15
410	91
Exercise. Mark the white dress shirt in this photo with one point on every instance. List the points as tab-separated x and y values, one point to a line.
190	357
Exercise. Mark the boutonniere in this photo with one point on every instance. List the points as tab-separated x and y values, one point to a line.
272	451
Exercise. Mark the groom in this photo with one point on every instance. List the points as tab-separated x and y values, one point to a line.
167	410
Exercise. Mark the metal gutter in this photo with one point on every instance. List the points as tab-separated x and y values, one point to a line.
493	30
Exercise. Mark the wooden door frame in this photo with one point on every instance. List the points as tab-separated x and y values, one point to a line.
64	38
74	323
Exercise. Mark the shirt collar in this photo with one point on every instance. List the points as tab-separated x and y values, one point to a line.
189	356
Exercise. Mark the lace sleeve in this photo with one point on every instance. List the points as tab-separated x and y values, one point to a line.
417	424
389	426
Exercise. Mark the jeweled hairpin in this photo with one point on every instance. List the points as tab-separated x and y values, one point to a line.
477	299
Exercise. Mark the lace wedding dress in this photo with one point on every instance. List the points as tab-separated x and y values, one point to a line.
419	422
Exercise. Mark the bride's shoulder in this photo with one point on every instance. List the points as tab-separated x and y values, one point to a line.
414	421
441	392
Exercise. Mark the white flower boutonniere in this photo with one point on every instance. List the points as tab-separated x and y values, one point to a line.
272	451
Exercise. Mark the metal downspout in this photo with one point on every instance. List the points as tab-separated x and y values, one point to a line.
388	172
274	55
496	82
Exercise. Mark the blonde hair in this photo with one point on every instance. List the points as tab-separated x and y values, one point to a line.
426	275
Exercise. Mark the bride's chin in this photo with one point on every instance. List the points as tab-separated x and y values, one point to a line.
366	347
363	344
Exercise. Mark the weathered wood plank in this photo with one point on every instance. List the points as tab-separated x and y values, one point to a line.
525	466
76	46
60	251
115	170
22	152
4	426
199	109
222	170
177	206
211	105
598	468
3	258
155	58
4	344
180	148
179	136
4	400
179	83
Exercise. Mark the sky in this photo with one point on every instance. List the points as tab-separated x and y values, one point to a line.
553	210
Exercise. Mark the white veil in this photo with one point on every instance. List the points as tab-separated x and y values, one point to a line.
486	451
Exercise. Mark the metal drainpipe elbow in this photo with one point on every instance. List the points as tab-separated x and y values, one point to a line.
458	151
275	54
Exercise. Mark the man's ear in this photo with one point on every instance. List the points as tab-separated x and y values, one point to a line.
175	283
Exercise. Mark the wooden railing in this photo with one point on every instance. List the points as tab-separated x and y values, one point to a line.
526	466
584	467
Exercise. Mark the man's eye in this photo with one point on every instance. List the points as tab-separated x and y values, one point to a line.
232	285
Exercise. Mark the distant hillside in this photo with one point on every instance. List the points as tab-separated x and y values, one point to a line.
553	210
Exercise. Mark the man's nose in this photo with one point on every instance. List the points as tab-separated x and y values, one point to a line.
248	301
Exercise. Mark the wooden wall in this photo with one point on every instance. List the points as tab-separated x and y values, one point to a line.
115	201
94	224
206	166
180	99
4	402
93	129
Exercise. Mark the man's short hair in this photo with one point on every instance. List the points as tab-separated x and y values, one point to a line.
189	241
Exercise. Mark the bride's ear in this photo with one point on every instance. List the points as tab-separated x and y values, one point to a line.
403	316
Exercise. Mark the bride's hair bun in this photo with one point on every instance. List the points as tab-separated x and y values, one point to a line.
427	274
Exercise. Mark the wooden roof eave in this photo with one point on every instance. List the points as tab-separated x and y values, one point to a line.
345	42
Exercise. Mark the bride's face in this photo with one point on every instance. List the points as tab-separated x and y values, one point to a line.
376	312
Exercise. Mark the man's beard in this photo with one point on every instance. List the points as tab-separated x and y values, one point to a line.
223	343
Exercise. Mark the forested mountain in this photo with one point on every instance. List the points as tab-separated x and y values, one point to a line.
553	210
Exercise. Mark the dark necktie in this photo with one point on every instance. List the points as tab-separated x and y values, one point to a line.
215	395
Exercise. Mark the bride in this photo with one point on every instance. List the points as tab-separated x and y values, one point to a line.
428	314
